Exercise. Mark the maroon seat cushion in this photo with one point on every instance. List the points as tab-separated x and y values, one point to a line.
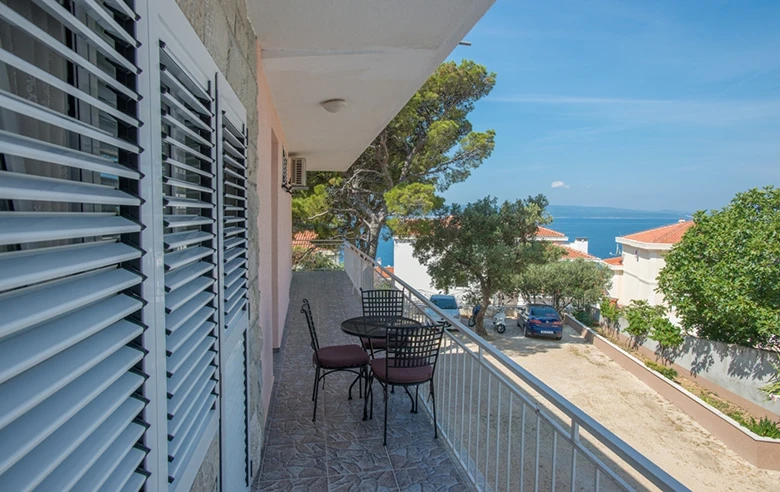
401	375
375	343
339	356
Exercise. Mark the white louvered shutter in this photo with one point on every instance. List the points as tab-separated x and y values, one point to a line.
190	240
234	311
71	302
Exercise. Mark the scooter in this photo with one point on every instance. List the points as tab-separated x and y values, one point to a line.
499	320
474	313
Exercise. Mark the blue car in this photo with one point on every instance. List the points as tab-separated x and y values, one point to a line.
543	320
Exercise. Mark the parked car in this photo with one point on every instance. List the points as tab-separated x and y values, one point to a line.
446	303
541	319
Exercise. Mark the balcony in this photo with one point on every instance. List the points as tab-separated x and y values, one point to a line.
500	428
340	450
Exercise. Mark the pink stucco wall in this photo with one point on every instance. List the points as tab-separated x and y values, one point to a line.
274	225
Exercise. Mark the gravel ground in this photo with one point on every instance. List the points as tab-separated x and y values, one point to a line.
634	412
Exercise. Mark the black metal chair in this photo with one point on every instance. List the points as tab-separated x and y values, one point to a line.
350	358
381	303
410	360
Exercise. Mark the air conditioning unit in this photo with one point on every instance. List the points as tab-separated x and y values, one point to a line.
297	172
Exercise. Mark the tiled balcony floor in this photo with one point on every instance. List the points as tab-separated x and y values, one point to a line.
340	451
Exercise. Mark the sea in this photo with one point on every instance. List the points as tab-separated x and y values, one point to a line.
601	233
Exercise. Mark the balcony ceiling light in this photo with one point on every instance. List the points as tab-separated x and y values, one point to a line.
334	105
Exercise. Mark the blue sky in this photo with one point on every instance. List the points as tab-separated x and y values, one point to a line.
645	105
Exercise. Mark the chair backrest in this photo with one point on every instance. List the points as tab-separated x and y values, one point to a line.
383	302
306	310
413	347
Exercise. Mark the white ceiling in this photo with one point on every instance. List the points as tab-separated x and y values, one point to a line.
373	53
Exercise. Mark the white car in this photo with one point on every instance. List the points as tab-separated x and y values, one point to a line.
446	303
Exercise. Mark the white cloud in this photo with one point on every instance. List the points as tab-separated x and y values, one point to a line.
559	184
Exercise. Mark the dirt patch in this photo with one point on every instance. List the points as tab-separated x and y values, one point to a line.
634	412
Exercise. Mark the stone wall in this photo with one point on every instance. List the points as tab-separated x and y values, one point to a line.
224	28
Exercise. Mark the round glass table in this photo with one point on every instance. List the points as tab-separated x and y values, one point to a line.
376	326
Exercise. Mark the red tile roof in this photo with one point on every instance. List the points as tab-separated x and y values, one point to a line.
670	234
618	260
304	238
572	254
545	232
382	273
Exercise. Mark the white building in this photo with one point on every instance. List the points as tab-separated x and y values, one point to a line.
635	272
416	274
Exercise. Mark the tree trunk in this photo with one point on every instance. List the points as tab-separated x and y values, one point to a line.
374	232
480	328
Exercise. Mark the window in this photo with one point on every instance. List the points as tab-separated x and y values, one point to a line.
122	249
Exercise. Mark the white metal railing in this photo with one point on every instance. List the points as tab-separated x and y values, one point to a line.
509	430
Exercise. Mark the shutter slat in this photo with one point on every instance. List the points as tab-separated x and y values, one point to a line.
123	470
235	197
178	183
197	430
12	17
177	337
179	427
46	459
104	468
103	386
117	431
234	313
231	137
235	174
180	202
68	20
187	167
235	185
27	307
228	125
178	259
234	277
183	147
232	264
233	242
108	23
195	382
25	351
121	6
22	106
200	356
176	359
29	148
134	483
176	319
235	299
182	92
179	239
32	387
231	254
29	227
174	300
227	158
172	65
31	266
15	186
191	117
170	120
180	277
174	221
232	231
60	84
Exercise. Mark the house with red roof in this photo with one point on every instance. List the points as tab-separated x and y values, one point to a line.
636	270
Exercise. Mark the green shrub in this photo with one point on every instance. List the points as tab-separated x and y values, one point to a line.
585	318
763	427
666	372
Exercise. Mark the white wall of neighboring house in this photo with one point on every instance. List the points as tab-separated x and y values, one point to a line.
408	268
639	278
